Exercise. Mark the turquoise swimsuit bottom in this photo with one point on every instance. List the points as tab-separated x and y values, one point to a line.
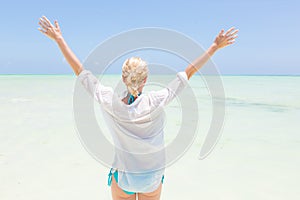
116	177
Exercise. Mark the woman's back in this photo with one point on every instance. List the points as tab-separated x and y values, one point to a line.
136	129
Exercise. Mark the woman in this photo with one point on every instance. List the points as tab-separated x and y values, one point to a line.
133	104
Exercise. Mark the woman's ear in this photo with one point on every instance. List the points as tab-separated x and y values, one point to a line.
145	79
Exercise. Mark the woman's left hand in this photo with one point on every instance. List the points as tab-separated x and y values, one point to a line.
53	32
223	40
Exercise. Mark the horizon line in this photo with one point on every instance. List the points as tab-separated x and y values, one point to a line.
71	74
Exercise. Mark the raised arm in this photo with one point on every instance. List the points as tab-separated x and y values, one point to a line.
54	33
222	40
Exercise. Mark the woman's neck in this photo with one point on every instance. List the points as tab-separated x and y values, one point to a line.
125	99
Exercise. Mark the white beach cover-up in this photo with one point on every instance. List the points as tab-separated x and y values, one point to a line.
136	129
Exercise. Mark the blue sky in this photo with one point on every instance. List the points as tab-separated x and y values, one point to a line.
268	41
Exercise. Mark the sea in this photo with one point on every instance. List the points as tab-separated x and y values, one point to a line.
257	155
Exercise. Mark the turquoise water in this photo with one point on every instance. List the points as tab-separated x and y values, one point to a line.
259	147
30	101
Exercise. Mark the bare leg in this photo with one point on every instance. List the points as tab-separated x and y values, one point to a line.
118	193
155	195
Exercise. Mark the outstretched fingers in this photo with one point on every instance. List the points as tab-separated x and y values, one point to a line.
231	35
234	32
56	24
42	31
231	42
229	31
46	20
43	25
50	30
221	32
225	38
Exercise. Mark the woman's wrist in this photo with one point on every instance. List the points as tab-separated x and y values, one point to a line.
59	38
212	49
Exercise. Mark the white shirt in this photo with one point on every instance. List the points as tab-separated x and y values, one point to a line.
137	130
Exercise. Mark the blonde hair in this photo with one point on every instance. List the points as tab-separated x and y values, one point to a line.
134	71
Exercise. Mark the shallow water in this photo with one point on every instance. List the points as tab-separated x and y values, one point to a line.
257	156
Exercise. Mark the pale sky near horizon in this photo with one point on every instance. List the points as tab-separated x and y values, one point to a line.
268	41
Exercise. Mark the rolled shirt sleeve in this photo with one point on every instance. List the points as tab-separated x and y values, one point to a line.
164	96
99	92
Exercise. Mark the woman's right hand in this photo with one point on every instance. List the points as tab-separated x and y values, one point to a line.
53	32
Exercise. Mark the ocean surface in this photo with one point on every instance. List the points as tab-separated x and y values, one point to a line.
257	156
